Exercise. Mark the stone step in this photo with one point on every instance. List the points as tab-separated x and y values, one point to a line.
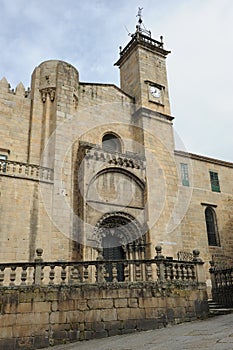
216	309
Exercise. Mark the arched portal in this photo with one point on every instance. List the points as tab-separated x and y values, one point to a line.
120	237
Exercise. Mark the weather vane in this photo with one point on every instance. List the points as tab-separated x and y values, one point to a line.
139	15
140	26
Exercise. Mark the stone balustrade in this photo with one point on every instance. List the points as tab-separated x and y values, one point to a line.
159	269
144	39
25	171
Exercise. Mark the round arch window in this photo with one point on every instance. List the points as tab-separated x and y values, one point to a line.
112	143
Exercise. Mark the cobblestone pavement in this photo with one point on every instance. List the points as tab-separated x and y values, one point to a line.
214	333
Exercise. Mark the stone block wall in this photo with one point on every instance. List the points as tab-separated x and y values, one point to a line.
37	317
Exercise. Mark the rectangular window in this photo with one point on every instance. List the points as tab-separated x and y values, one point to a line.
184	174
215	187
2	163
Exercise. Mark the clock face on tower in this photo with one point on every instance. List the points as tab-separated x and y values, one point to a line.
155	91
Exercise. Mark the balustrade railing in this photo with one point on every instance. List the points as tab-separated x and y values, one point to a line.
140	38
25	170
159	269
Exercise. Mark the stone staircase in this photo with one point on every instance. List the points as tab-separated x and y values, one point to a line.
216	309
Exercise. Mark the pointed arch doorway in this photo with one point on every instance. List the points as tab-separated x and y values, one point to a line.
121	237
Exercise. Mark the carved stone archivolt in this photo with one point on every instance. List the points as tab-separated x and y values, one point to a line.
128	231
48	93
126	160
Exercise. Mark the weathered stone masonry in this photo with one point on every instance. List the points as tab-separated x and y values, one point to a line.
35	317
47	303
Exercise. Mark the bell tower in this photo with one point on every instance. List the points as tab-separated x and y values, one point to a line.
143	72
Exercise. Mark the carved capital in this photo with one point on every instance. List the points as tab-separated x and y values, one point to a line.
48	93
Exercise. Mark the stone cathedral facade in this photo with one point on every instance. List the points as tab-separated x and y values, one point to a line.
88	168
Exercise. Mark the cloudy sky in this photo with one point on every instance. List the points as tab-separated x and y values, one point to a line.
88	34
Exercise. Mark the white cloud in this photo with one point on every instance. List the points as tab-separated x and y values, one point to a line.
88	34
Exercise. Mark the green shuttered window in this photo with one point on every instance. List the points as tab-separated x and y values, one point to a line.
215	187
184	174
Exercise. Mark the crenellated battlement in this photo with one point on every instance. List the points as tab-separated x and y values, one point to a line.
5	87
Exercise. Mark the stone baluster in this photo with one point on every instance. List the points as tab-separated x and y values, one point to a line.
63	274
190	272
12	275
182	271
166	271
12	167
148	272
85	273
17	167
48	174
51	274
186	273
33	171
49	177
37	171
173	272
2	275
131	267
114	272
38	276
24	275
138	271
178	272
41	172
126	272
7	167
169	268
26	170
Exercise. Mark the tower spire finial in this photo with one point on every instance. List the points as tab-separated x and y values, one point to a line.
139	15
140	26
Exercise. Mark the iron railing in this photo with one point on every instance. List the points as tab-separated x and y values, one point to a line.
222	285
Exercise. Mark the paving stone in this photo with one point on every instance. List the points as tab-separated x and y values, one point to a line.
214	333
